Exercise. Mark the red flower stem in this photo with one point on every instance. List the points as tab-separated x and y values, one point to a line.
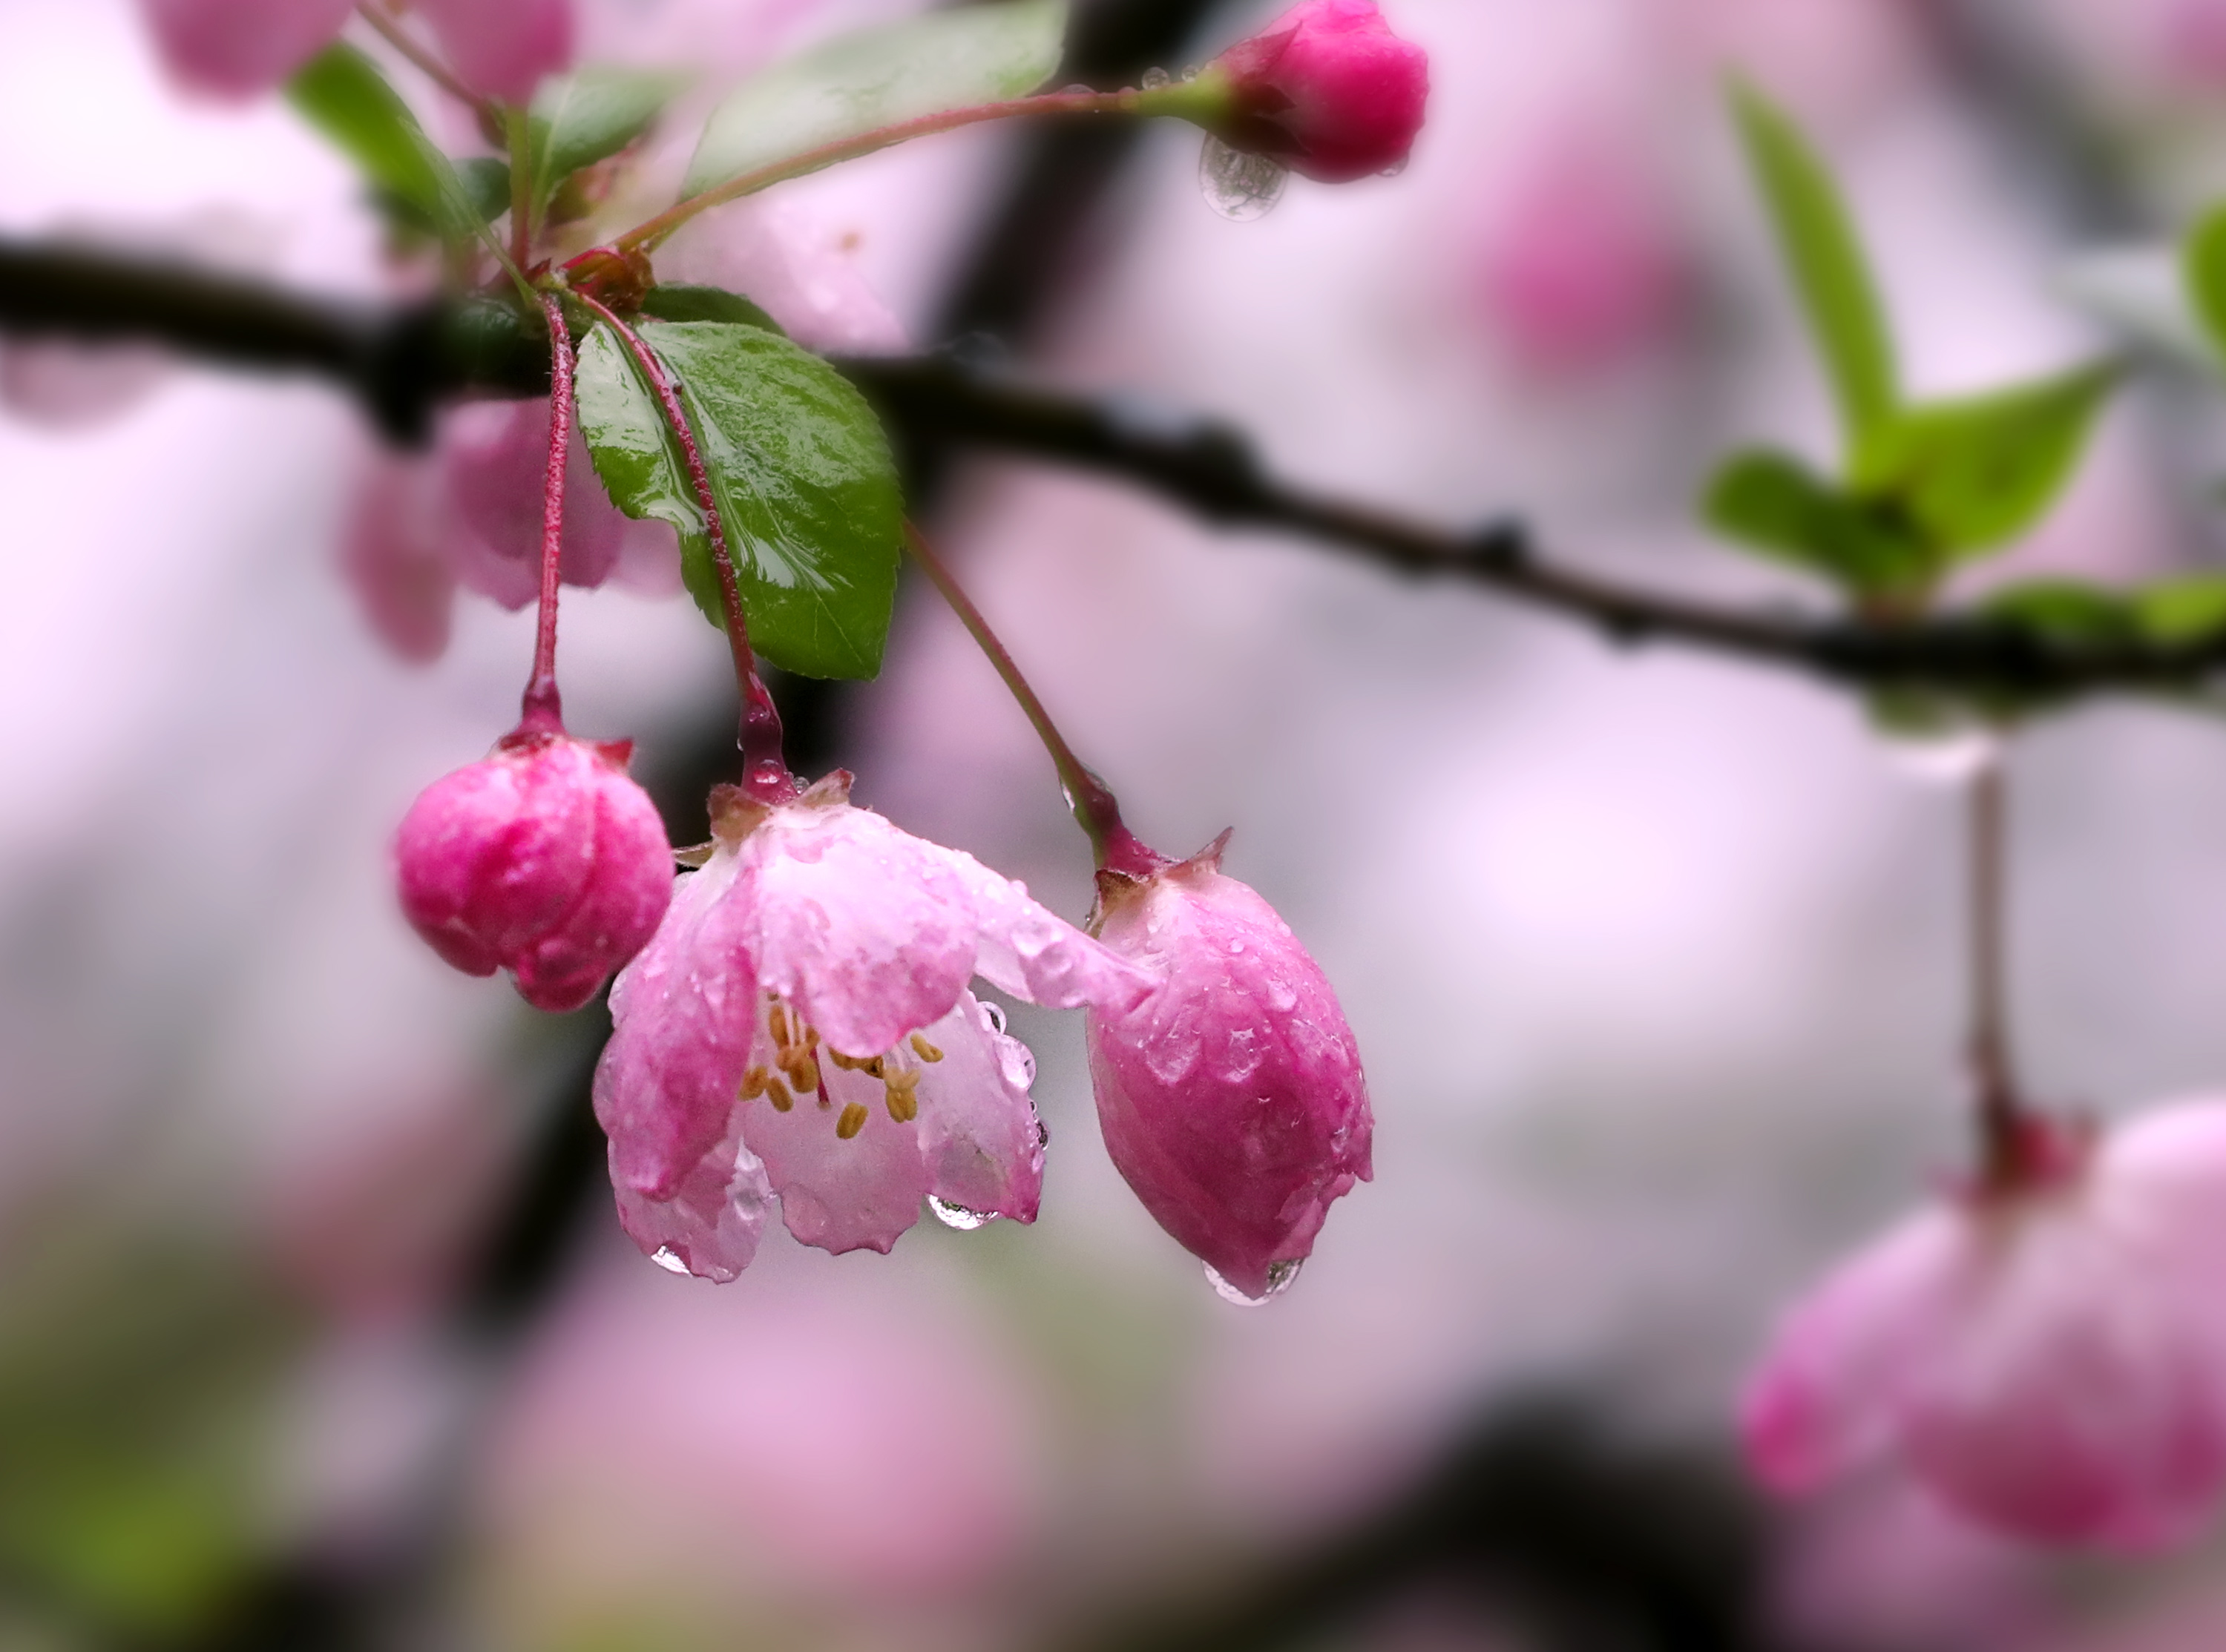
439	72
1095	810
2006	1128
649	234
542	709
765	772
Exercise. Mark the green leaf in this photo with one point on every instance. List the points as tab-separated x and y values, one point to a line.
683	301
2184	610
1973	473
799	467
588	116
1818	240
2064	611
485	183
2203	266
1772	502
341	94
878	77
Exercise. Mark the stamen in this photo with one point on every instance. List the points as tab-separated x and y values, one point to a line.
782	1101
810	1039
848	1063
924	1050
852	1121
803	1071
874	1067
901	1091
754	1083
777	1023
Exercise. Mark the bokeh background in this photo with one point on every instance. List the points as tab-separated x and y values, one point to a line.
315	1329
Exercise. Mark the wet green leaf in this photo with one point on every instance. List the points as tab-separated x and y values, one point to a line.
684	301
878	77
1973	473
343	95
1820	245
799	467
1774	503
582	118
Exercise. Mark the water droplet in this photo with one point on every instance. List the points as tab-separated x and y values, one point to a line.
1395	167
668	1259
1155	79
994	1013
1079	90
1238	185
1280	1277
1235	947
1191	73
958	1217
1281	997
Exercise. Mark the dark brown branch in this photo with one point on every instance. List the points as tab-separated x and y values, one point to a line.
402	363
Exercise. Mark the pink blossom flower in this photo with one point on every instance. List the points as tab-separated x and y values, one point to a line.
542	858
2048	1358
236	49
812	980
1328	89
501	48
1231	1097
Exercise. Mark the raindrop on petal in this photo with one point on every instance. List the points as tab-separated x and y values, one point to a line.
993	1015
1238	185
958	1217
1395	167
668	1259
1280	1277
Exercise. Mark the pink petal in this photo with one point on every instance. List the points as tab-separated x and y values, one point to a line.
236	49
792	268
983	1142
711	1225
1033	954
625	897
501	48
395	557
1827	1392
494	455
860	1194
682	1018
865	930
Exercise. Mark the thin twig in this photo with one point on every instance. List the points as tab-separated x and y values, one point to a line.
391	29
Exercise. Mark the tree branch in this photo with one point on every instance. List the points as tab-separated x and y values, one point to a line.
401	364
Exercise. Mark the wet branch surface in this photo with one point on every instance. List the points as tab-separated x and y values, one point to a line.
400	365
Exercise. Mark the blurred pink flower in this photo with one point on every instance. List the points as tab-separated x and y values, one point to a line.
1327	88
1231	1097
814	974
542	858
501	48
1581	267
236	49
2048	1358
800	274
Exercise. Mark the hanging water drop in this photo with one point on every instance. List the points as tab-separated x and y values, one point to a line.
1155	80
958	1217
668	1259
1395	167
1280	1277
993	1015
1239	187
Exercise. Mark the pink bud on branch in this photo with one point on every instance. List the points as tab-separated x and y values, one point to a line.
1328	89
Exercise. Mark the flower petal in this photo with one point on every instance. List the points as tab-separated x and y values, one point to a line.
863	929
856	1195
711	1225
979	1132
682	1014
1034	954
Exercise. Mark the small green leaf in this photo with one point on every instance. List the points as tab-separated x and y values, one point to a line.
2064	611
1818	240
878	77
2203	266
2184	610
341	94
1976	472
1774	503
582	118
487	186
683	301
799	467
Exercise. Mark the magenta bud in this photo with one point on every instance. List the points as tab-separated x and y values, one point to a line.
543	859
1328	89
1232	1097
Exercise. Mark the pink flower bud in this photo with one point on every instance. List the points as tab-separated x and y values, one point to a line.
544	858
501	48
1328	89
236	49
2049	1358
1231	1097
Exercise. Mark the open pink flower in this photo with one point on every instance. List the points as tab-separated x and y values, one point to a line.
1328	89
1231	1097
236	49
542	858
814	976
2049	1359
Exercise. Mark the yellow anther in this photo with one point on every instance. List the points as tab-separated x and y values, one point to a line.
803	1071
875	1067
777	1022
852	1121
782	1101
848	1063
812	1038
902	1091
754	1083
924	1050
